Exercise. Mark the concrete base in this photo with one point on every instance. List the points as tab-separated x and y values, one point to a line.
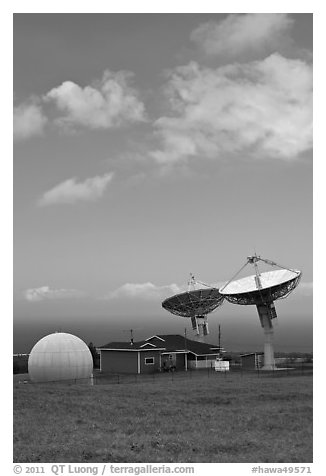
269	367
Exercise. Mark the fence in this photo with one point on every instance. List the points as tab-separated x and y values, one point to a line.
235	372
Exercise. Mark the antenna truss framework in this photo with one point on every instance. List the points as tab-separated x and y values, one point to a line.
194	303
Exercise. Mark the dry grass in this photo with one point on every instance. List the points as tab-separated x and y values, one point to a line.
234	419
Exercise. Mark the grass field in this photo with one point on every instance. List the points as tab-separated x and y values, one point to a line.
199	419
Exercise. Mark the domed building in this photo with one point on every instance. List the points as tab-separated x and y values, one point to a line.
60	356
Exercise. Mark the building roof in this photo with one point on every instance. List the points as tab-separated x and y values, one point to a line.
165	342
140	345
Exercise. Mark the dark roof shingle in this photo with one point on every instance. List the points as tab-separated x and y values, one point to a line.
169	342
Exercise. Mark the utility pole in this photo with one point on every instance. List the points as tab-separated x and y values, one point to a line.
186	356
219	340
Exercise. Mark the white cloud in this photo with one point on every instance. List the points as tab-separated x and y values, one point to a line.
147	291
237	34
28	120
44	292
107	103
71	191
262	108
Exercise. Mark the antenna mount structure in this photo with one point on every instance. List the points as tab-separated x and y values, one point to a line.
195	304
262	289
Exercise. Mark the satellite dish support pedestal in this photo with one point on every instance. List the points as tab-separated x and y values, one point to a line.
200	326
266	323
262	289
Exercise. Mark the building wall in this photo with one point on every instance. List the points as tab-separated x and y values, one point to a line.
114	361
175	359
119	361
180	361
248	362
252	361
149	368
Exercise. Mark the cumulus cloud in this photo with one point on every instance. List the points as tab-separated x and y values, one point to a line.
238	34
71	191
261	108
147	291
28	120
107	103
44	293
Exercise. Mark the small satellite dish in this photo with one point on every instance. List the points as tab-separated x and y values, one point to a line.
262	289
195	304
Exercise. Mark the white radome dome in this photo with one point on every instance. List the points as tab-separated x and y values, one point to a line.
60	356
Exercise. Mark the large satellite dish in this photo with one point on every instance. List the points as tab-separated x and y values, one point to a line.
272	285
195	304
262	289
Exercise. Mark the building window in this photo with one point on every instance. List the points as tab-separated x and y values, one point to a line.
149	360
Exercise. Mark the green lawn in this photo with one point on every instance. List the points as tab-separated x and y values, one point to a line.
238	418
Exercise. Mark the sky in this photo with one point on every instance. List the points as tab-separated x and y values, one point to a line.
151	146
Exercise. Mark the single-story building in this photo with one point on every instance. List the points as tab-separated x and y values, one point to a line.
155	354
254	360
